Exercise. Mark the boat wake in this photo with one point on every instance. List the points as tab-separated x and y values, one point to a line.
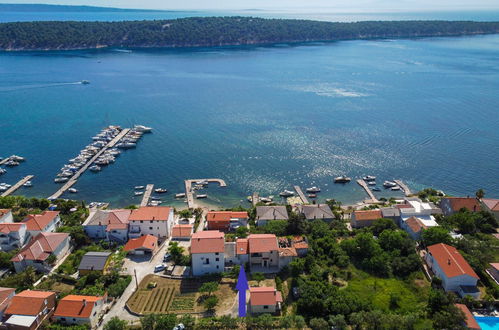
33	86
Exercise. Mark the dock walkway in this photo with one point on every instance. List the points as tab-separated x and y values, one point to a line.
255	198
404	187
364	185
75	177
147	195
17	185
301	195
190	194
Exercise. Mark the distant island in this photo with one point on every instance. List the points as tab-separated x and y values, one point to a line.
18	7
217	31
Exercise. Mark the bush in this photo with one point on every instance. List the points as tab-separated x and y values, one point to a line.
319	324
210	303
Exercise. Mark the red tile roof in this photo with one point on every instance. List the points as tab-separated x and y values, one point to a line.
470	321
182	231
118	219
288	252
76	306
415	224
147	242
259	243
457	203
242	246
495	265
7	228
150	213
41	246
450	261
264	296
367	215
209	241
38	222
4	212
225	215
492	204
5	297
29	302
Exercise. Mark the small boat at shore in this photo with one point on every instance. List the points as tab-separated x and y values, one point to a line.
286	193
369	178
72	190
342	179
201	196
142	128
312	195
375	189
389	184
313	190
138	187
372	183
2	171
12	163
61	179
138	193
95	168
28	184
181	195
396	188
160	191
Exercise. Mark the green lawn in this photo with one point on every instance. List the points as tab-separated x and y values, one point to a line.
411	294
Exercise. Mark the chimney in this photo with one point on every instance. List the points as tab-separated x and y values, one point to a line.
84	302
448	261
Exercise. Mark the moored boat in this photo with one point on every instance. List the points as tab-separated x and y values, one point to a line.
369	178
138	193
342	179
286	193
138	187
160	190
313	190
181	195
142	128
95	168
72	190
389	184
201	196
28	184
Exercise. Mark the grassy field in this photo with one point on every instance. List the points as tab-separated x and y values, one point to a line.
410	295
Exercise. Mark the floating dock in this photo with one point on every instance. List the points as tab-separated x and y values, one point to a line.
364	185
190	194
17	185
255	198
75	177
301	195
147	195
404	187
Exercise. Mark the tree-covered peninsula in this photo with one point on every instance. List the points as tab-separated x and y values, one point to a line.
217	31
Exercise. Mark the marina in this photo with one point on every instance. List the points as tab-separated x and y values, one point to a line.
13	160
189	192
404	187
17	185
147	195
364	185
301	195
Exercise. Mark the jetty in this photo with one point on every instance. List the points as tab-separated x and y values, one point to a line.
364	185
3	161
404	187
255	198
190	194
147	195
301	195
17	185
82	170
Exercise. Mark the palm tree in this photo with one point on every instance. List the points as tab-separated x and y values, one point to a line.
480	194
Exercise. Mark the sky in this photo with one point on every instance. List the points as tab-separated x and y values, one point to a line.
294	5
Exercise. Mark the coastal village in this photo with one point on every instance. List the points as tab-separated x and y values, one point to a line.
71	265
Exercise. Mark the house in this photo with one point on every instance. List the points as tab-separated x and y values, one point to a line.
286	255
48	221
12	236
493	271
28	309
93	262
316	211
236	252
107	225
226	220
451	205
450	266
263	251
265	300
39	249
6	216
301	245
414	226
146	244
469	320
74	309
392	213
6	295
413	206
182	232
491	205
361	219
151	220
264	214
207	251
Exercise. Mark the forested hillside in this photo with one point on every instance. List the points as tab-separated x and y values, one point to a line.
217	31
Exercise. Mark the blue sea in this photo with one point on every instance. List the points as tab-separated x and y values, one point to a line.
263	118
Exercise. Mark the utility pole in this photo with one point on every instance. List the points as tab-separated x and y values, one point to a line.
136	281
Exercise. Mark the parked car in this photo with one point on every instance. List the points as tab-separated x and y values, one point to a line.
159	268
179	326
167	257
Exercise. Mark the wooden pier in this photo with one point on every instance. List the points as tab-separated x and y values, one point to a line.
301	195
404	187
364	185
75	177
17	185
147	195
255	198
190	194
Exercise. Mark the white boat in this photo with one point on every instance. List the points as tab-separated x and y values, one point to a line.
126	145
265	199
154	198
6	185
160	190
342	179
17	158
202	183
396	188
138	193
389	184
286	193
375	189
28	184
181	195
3	188
372	183
12	163
85	82
2	171
72	190
139	187
95	168
201	196
313	189
142	128
369	178
60	180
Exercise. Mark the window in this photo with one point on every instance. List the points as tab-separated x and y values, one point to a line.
206	261
265	307
141	221
217	259
151	221
216	253
217	266
150	228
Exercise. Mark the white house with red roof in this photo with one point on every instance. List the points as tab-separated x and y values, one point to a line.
6	216
265	300
151	220
454	271
226	220
263	251
39	249
12	236
182	232
48	221
207	252
28	309
146	244
75	309
110	225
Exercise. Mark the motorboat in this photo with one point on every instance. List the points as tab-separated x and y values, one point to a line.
142	128
2	171
28	184
376	189
342	179
266	199
389	184
312	195
17	158
202	182
72	190
286	193
138	187
12	163
155	203
369	178
201	196
313	189
61	180
181	195
396	188
3	188
372	183
95	168
160	190
154	198
85	82
138	193
126	145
